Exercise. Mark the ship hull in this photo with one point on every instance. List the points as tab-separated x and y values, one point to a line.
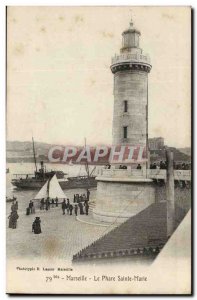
28	185
70	184
74	184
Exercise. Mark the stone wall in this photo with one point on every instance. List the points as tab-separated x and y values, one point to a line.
117	201
182	196
121	200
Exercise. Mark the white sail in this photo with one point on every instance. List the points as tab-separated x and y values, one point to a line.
55	189
43	192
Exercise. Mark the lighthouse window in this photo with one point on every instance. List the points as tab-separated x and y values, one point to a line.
125	105
125	132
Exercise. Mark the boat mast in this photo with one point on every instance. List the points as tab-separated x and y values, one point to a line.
48	187
87	166
34	154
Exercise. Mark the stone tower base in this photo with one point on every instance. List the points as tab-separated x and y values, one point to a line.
119	199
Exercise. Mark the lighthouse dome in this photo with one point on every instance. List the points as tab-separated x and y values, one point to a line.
131	29
130	38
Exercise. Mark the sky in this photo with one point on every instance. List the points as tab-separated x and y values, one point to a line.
59	83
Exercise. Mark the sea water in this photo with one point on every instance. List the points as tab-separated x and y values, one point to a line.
24	196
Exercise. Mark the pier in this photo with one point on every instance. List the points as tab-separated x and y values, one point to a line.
129	174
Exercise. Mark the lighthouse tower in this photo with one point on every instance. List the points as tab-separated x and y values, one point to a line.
122	193
130	69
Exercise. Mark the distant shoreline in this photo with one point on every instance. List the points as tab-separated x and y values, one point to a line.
48	162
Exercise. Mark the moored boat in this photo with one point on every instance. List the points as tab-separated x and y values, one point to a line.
68	183
8	199
38	179
78	182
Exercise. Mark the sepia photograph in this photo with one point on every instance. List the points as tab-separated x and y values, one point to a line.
98	150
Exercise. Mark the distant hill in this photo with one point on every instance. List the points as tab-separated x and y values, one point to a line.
25	146
186	150
23	152
179	156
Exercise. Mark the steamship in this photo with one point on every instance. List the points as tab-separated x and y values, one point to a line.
38	179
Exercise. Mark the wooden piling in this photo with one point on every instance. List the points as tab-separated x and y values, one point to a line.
170	193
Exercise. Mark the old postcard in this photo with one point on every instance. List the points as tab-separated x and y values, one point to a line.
98	150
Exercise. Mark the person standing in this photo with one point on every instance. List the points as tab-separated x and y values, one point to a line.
56	202
14	219
88	194
76	209
70	209
86	208
36	227
27	211
42	204
81	208
13	207
64	206
67	206
52	202
77	198
16	205
47	204
30	206
10	219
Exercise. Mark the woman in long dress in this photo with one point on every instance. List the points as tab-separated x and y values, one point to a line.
36	227
10	219
13	217
14	221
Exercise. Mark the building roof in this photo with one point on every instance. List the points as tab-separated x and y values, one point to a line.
147	230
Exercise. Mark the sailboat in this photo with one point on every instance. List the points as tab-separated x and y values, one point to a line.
51	189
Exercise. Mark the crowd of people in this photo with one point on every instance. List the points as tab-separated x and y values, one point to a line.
162	165
47	204
79	205
79	198
182	166
122	167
